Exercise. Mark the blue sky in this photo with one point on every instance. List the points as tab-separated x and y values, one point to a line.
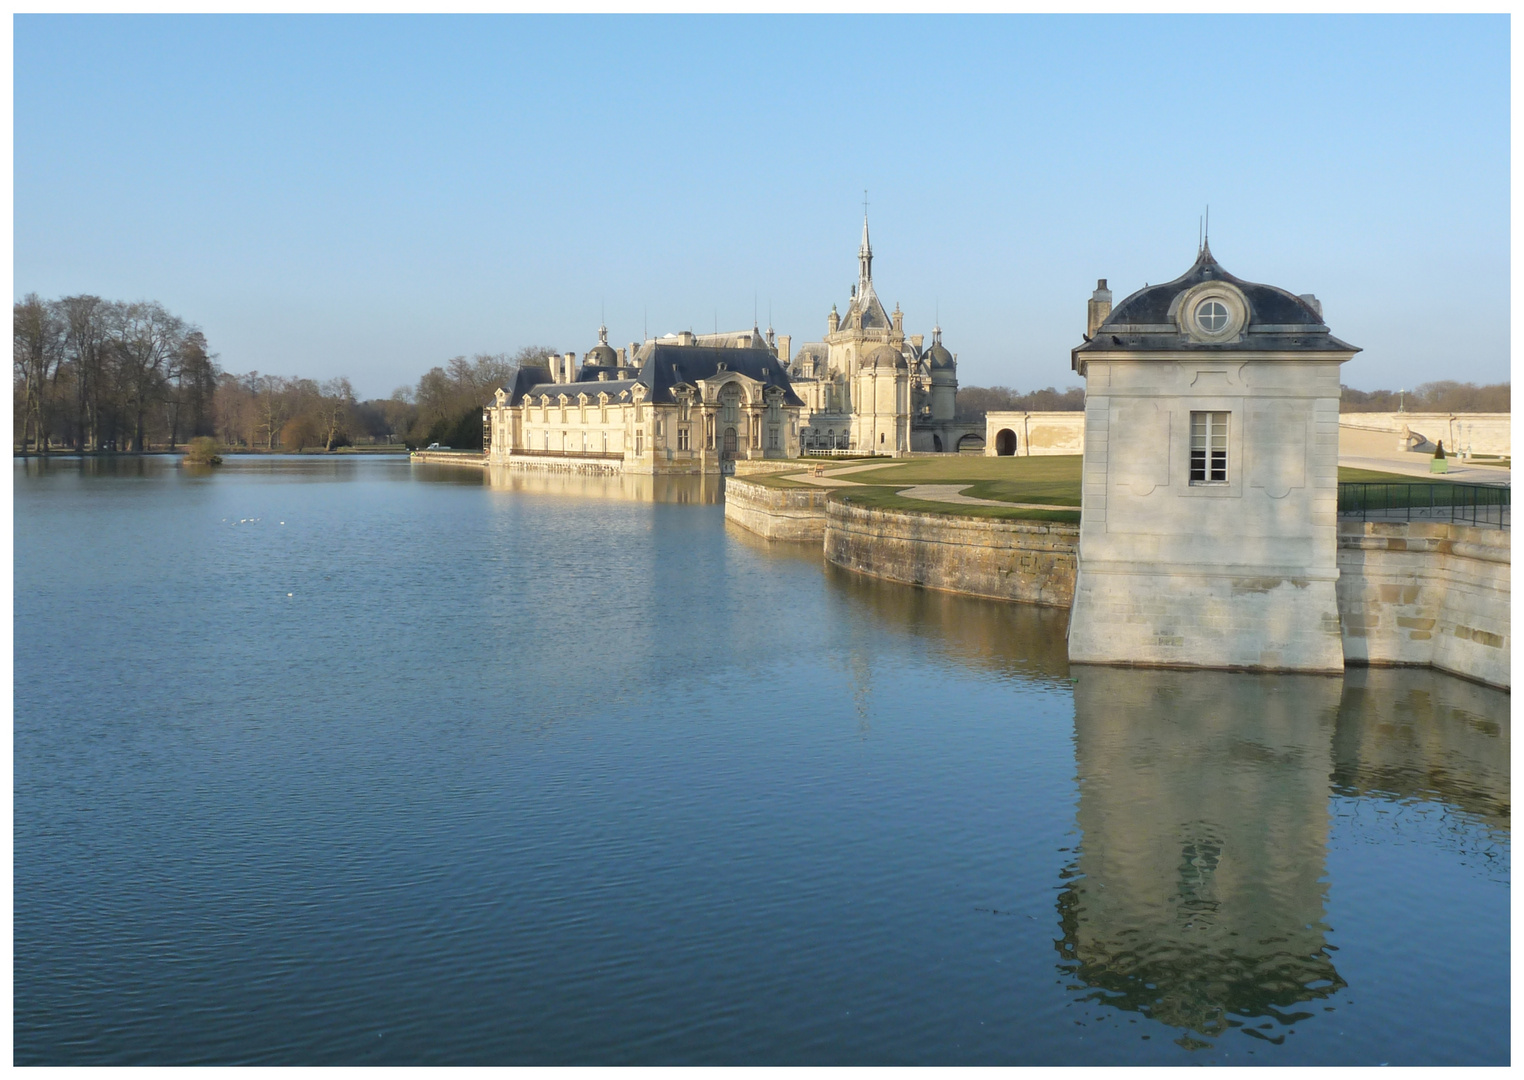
370	196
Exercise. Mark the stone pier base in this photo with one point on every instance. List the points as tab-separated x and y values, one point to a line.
1254	621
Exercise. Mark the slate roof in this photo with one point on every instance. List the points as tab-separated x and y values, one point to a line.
663	367
668	365
591	387
867	301
525	378
1279	321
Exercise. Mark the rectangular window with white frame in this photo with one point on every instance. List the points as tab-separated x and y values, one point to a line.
1209	448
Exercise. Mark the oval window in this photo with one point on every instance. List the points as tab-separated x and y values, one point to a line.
1211	316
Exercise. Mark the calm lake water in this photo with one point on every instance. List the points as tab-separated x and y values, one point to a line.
356	761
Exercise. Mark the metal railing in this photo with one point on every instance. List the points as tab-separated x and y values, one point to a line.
1461	504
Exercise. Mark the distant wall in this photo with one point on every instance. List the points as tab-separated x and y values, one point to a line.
1481	433
776	513
1033	434
1426	593
1027	561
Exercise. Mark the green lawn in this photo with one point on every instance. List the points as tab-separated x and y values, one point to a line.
1054	480
1371	476
1051	480
888	498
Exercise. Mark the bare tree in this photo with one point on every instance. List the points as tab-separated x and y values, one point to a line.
147	340
87	338
272	405
336	402
37	354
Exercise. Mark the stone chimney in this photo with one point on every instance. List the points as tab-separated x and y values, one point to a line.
570	369
1099	308
685	337
785	344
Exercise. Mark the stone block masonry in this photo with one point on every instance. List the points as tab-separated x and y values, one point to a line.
1426	593
777	513
1029	561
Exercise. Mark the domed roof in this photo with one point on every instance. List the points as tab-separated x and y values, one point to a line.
937	356
885	356
1272	318
601	354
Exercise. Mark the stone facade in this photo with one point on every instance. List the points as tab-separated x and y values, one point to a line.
675	405
1210	478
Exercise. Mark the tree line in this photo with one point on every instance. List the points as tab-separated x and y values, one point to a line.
974	401
103	375
1445	396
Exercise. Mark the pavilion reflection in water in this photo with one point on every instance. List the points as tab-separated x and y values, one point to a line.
1198	894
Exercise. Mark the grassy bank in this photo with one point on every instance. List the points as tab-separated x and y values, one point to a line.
888	498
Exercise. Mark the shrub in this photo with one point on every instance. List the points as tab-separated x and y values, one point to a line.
203	451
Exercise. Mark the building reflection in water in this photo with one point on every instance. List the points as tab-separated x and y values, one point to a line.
1413	735
1197	896
626	486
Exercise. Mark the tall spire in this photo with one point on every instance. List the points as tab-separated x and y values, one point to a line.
865	252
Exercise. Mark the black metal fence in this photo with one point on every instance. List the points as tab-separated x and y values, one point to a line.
1463	504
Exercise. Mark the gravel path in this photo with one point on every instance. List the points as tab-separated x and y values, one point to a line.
950	493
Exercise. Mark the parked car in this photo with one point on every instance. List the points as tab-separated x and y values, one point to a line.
435	446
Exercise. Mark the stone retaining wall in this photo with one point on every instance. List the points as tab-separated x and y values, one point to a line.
1426	593
762	466
1029	561
475	459
776	513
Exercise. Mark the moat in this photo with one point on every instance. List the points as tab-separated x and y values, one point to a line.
348	760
